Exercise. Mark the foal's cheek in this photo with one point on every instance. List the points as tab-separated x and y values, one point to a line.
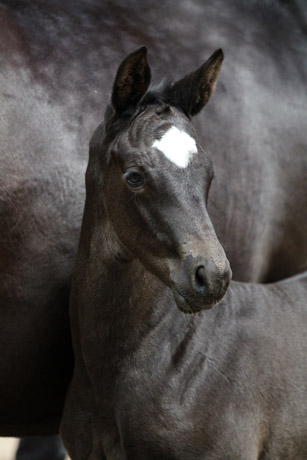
158	267
124	222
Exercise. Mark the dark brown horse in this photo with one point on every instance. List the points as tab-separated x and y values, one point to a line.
57	63
150	382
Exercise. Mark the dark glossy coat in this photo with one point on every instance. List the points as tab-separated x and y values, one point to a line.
58	61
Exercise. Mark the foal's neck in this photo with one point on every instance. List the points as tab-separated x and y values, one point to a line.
134	301
121	302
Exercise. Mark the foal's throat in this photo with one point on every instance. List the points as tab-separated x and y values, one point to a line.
134	293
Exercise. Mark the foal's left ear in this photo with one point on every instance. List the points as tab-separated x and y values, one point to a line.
131	81
193	91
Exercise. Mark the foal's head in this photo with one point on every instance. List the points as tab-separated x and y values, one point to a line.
154	180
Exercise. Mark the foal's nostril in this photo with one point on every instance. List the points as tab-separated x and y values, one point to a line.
200	276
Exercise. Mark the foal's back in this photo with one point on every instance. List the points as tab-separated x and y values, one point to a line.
234	387
255	383
262	374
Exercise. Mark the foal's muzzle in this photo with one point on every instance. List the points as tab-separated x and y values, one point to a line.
200	284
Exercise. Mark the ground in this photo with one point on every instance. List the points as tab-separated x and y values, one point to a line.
8	448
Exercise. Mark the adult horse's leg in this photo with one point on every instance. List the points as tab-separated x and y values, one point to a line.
50	448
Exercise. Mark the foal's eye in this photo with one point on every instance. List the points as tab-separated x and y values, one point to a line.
135	179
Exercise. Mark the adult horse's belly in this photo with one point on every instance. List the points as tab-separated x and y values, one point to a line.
57	64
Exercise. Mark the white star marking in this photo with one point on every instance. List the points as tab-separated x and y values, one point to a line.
178	146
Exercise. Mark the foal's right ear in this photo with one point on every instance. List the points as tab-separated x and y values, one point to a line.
131	81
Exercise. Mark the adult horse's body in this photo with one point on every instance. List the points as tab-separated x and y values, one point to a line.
148	382
56	66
